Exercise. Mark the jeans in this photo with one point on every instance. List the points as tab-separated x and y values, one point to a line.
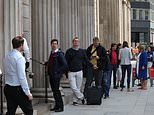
125	68
106	81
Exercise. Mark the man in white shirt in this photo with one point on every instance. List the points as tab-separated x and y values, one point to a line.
16	87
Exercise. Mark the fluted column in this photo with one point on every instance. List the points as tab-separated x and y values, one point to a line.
61	19
27	21
76	19
11	24
126	20
114	21
45	26
1	33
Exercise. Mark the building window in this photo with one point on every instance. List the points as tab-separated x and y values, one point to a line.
140	15
146	15
134	14
142	40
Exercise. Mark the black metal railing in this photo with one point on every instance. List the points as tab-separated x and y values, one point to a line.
44	64
1	88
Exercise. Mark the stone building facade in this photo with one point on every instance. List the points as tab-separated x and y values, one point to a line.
114	21
42	20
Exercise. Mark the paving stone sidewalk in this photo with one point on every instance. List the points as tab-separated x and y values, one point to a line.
138	102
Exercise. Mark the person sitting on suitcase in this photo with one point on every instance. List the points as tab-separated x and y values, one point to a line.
75	57
96	54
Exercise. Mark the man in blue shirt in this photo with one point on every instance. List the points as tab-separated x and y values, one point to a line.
16	87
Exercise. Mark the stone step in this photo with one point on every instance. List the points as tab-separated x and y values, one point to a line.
41	107
67	97
40	92
65	83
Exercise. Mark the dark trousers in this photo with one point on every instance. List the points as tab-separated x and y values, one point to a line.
125	68
15	96
55	83
114	69
93	74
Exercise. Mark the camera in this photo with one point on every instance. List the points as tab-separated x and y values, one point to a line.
30	74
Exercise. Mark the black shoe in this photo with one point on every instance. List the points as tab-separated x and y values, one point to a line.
75	104
104	97
83	101
121	89
139	84
53	109
59	110
122	86
115	87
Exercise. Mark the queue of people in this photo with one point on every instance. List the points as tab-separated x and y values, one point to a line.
101	66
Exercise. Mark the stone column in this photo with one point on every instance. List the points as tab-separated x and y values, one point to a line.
114	21
1	33
76	19
61	19
11	24
45	26
27	21
126	20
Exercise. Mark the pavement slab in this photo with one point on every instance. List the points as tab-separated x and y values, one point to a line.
139	102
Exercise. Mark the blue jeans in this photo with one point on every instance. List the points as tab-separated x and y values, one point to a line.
106	79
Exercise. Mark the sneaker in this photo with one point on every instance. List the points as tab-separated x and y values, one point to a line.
75	104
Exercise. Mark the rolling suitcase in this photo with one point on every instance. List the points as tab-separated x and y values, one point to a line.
94	95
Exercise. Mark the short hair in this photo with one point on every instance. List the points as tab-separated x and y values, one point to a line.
95	39
141	47
125	44
75	39
17	41
54	40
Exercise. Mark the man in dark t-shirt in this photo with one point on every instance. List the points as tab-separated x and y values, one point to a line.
76	57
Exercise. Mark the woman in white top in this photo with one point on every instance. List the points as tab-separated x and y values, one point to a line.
125	56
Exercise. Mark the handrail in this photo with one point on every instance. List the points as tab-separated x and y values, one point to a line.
44	64
1	88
